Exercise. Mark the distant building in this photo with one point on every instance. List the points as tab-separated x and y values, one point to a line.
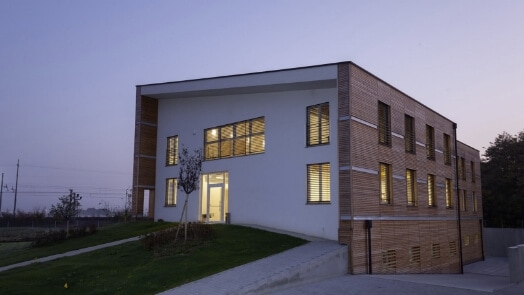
329	151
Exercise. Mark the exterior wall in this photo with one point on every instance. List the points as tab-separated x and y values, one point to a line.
471	219
266	189
144	164
395	226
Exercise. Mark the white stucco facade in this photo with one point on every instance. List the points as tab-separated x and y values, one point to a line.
267	189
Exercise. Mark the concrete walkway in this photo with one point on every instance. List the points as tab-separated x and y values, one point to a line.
66	254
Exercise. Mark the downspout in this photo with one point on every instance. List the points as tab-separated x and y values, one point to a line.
458	199
368	224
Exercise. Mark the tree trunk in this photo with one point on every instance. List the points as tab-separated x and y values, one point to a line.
184	211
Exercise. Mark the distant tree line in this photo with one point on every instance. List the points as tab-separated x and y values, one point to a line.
502	169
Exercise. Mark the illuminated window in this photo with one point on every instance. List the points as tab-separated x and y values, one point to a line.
411	192
237	139
171	188
318	183
409	134
432	201
449	193
172	151
317	124
385	183
430	143
384	124
466	241
447	149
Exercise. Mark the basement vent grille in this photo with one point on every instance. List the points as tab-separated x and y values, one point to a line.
389	259
453	248
414	255
435	251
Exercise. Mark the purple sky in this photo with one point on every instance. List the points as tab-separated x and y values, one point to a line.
68	71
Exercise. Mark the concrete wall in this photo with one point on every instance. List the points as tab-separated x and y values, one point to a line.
498	240
516	263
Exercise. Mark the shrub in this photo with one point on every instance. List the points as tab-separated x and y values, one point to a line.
163	242
51	237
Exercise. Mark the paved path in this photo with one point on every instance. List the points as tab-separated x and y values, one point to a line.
70	253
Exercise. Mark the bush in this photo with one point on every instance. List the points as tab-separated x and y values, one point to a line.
51	237
163	242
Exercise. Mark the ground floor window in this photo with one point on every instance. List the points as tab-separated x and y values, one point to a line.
318	183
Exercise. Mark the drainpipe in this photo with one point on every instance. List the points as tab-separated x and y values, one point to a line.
458	199
481	239
368	224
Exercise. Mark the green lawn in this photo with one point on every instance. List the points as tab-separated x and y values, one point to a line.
11	253
130	269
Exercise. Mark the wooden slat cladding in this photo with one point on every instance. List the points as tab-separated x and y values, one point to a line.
399	227
144	164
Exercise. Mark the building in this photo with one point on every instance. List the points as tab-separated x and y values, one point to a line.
329	151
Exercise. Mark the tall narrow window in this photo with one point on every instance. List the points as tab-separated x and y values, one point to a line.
384	124
172	151
473	174
385	183
463	164
409	134
464	201
411	192
318	183
430	142
449	193
317	124
432	200
171	186
447	149
474	199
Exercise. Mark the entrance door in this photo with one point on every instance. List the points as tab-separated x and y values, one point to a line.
214	199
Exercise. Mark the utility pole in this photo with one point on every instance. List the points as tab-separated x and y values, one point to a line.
1	191
16	187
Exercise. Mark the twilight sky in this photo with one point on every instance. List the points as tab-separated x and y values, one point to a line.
68	71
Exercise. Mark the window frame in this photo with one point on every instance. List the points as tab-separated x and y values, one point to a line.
384	124
385	182
172	150
430	142
318	184
410	134
320	128
411	187
170	198
432	194
447	149
245	138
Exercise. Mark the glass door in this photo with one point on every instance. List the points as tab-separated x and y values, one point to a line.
214	198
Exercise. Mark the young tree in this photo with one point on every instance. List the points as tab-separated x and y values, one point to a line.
188	176
502	171
66	208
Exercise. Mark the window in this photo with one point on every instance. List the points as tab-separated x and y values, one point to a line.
432	201
447	149
464	201
384	124
473	175
414	255
385	183
430	143
318	184
233	140
475	238
463	170
172	151
474	199
449	193
171	187
435	251
317	124
466	241
411	192
389	259
409	134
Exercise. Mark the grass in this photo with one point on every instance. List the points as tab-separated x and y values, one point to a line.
11	253
130	269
